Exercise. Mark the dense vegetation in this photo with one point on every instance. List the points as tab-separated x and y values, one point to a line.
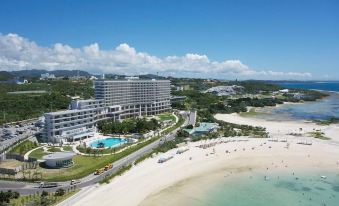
6	197
43	198
133	125
16	107
209	104
4	76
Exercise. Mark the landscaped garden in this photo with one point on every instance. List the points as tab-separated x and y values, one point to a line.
23	147
85	165
166	116
38	153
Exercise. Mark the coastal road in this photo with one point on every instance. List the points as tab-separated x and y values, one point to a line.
31	188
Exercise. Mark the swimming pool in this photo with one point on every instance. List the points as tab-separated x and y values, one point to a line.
108	142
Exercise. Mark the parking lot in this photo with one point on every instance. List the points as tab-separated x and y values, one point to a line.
12	133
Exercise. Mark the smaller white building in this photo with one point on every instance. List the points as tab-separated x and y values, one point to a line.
47	76
59	159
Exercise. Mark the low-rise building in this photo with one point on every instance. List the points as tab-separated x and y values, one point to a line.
76	123
59	159
47	76
203	128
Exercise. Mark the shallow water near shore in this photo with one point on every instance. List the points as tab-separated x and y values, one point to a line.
323	109
255	188
277	189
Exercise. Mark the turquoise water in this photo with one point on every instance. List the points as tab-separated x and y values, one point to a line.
323	109
279	190
108	142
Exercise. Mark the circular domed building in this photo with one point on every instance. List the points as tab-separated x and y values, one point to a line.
59	159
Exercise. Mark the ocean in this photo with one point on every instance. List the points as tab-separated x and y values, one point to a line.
323	109
326	86
255	188
301	189
266	188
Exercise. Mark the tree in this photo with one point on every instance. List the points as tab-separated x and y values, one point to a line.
182	133
189	126
44	193
59	192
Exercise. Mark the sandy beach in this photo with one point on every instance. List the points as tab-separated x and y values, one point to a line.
284	128
145	182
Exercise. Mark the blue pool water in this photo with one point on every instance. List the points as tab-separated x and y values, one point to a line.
108	142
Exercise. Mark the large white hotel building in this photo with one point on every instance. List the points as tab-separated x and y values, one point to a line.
114	99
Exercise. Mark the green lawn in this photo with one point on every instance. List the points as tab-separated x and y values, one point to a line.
54	149
250	113
166	116
84	165
39	153
24	147
67	148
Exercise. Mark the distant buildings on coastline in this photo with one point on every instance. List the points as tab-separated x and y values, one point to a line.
225	90
47	76
114	99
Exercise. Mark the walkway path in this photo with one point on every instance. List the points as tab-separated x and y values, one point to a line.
29	152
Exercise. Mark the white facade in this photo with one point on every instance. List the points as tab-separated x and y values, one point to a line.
59	159
134	97
115	99
76	123
47	76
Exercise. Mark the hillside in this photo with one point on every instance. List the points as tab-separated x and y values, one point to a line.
57	73
4	76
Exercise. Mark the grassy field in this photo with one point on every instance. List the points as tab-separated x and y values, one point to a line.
67	148
249	113
166	116
39	153
54	149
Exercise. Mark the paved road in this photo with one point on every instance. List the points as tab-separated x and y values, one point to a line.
31	188
192	117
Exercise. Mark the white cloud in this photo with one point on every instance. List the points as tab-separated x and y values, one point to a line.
18	53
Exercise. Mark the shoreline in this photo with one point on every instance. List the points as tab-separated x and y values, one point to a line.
260	112
150	179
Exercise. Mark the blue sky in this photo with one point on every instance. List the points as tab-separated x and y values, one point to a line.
232	39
